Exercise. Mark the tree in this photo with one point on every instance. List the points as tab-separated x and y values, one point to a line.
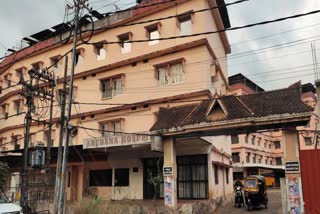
3	174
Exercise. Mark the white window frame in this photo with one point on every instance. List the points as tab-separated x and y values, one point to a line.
170	74
111	128
112	86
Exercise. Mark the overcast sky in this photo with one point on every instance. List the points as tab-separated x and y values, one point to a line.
271	68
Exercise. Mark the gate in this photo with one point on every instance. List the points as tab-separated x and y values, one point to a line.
310	178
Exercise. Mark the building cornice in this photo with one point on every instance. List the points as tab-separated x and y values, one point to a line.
120	107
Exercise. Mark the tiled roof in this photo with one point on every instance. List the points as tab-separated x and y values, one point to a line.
264	104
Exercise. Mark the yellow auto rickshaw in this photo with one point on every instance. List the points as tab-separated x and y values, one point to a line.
255	191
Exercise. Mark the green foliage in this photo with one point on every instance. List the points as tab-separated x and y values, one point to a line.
156	180
3	174
92	206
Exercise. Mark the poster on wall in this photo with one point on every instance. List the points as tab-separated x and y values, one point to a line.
168	192
294	195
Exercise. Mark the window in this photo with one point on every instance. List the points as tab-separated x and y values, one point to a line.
246	139
234	139
278	161
4	110
20	72
121	177
112	86
270	162
308	141
17	106
254	159
100	177
125	42
259	141
269	145
79	56
153	33
253	139
248	158
266	161
56	62
184	22
192	178
169	73
14	141
277	145
37	65
100	51
227	175
259	161
236	157
216	174
111	128
117	86
7	79
265	144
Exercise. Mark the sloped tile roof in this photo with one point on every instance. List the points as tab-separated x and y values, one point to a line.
277	102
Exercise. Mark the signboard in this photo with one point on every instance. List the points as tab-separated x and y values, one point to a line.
116	140
167	171
292	167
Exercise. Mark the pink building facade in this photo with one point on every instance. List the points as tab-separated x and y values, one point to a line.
118	91
262	153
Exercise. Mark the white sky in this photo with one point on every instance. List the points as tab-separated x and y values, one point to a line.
270	69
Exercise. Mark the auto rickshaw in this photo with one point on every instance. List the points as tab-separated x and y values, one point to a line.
255	191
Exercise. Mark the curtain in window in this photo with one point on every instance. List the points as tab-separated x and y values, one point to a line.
105	130
192	177
163	76
106	89
117	86
116	127
176	73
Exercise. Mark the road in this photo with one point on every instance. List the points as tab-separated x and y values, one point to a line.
275	207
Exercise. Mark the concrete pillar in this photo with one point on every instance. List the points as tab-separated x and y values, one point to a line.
210	177
293	186
170	178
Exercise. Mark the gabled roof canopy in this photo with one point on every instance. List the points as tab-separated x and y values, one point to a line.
275	108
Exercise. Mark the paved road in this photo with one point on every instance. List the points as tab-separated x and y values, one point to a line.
274	205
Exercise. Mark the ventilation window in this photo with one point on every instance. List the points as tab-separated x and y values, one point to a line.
125	44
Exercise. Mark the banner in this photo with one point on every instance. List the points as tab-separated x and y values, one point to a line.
294	195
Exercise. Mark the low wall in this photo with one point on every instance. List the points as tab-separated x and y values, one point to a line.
98	206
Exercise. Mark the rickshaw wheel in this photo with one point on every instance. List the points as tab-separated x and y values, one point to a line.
266	205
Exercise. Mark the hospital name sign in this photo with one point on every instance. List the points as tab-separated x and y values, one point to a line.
116	140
